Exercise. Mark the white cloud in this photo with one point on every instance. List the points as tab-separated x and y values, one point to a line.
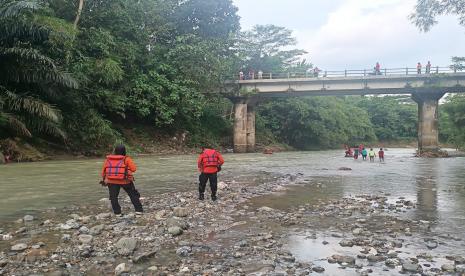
362	32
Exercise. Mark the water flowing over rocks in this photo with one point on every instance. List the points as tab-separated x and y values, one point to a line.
236	235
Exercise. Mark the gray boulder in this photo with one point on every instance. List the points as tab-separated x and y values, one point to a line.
126	246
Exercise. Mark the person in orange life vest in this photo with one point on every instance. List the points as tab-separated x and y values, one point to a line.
209	163
117	173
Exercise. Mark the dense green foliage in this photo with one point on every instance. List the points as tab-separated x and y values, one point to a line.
452	120
328	122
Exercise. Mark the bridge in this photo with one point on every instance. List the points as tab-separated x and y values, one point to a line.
426	89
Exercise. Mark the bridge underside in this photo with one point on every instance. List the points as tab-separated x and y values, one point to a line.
426	90
427	100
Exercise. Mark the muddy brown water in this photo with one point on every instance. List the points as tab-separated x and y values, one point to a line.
437	185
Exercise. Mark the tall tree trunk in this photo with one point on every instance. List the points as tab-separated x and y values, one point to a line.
78	15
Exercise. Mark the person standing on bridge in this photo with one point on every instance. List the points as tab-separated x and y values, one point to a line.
117	173
241	75
316	72
418	68
209	164
428	67
377	69
260	74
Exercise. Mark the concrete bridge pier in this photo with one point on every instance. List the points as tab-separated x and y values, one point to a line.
428	134
244	126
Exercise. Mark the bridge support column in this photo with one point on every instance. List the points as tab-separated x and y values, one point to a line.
240	127
244	126
250	128
428	135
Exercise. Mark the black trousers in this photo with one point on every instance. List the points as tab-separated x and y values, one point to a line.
133	194
203	178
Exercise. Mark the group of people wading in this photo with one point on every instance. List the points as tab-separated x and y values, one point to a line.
361	150
118	172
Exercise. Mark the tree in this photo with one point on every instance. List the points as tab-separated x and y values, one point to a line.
265	48
426	12
316	122
29	75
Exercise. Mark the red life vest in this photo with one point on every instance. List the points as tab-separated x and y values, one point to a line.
210	158
116	168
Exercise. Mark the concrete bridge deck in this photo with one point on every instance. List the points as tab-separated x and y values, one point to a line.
352	85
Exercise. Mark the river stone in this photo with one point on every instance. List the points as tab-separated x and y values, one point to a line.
431	244
180	212
28	218
183	251
265	209
448	267
345	169
375	258
85	239
342	259
153	268
144	256
175	230
346	243
222	186
36	254
19	247
318	269
97	229
84	230
103	216
177	222
126	245
121	268
392	262
411	267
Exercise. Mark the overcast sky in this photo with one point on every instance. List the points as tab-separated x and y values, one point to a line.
355	34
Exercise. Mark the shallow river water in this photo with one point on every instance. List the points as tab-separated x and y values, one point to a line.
438	185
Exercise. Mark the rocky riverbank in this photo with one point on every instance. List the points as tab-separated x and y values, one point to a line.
179	235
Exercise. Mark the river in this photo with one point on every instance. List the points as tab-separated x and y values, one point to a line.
437	185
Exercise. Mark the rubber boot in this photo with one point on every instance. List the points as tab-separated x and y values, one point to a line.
201	197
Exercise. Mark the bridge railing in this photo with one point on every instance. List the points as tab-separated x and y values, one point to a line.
406	71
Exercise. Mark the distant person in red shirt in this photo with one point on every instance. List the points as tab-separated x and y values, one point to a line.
377	69
418	68
209	164
381	155
428	67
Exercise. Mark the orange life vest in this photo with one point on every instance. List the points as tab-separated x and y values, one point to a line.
116	167
210	158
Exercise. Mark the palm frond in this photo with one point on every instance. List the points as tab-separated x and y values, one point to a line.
46	127
15	8
16	125
30	66
22	31
28	55
30	106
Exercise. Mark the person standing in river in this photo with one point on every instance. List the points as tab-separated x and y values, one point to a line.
381	155
118	172
372	155
364	154
209	164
